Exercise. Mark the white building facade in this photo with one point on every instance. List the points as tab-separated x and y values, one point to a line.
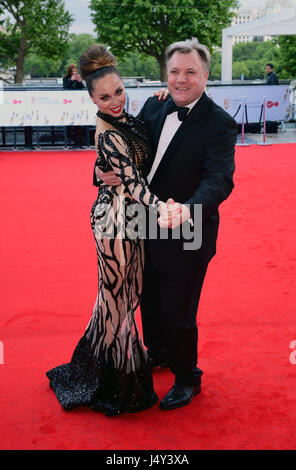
245	15
280	20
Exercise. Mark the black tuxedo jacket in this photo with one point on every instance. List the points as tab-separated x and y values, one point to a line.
197	168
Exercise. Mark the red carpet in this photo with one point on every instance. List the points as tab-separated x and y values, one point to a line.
246	315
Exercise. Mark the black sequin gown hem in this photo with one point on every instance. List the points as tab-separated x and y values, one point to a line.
92	382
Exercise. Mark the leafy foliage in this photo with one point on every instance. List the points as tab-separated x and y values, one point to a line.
138	65
286	56
249	59
39	26
149	26
36	66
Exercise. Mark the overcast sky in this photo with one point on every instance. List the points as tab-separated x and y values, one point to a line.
82	21
83	24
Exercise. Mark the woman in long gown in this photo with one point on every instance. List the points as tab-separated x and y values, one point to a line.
109	369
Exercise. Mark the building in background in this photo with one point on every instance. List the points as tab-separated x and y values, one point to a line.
245	15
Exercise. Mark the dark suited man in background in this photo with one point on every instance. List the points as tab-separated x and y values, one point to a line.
193	165
271	75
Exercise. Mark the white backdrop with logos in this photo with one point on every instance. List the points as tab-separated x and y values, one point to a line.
63	107
277	100
47	108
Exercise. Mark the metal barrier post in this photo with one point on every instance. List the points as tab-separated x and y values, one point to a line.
242	144
264	126
65	137
37	138
14	137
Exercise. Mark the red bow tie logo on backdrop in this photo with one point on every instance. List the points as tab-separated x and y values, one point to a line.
270	104
16	102
67	101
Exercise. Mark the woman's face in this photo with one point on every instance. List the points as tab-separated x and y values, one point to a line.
109	94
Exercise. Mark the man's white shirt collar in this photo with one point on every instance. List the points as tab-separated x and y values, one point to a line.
191	105
170	127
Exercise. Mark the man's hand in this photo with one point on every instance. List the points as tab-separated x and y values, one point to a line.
108	178
173	214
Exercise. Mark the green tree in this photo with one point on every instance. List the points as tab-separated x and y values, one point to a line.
249	59
37	67
149	26
137	65
286	64
239	69
78	43
40	26
254	50
215	71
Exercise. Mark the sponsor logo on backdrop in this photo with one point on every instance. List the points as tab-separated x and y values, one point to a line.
135	105
270	104
227	104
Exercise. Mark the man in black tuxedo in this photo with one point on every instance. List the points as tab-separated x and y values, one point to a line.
194	165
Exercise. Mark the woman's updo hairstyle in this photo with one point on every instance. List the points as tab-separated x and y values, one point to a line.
96	62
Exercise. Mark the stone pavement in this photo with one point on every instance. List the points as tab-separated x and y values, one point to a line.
285	134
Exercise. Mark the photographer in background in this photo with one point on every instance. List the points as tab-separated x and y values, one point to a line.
72	81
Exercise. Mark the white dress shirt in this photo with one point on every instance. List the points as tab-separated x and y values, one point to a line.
170	127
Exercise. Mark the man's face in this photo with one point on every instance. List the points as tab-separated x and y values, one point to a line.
187	77
268	69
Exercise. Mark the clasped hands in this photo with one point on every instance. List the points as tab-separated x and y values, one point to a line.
172	214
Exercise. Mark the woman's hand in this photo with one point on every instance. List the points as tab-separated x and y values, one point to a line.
76	77
173	214
162	94
167	212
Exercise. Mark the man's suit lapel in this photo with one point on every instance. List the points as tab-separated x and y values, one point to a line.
159	124
191	120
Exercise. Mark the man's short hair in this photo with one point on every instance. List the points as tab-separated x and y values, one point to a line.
185	47
269	65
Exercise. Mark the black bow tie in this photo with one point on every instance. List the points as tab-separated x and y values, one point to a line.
181	110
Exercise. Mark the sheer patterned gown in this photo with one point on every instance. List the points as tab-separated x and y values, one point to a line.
109	370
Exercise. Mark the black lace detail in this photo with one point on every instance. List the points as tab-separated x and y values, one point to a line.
115	150
136	135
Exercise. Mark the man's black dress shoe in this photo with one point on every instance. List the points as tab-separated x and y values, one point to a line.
179	395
